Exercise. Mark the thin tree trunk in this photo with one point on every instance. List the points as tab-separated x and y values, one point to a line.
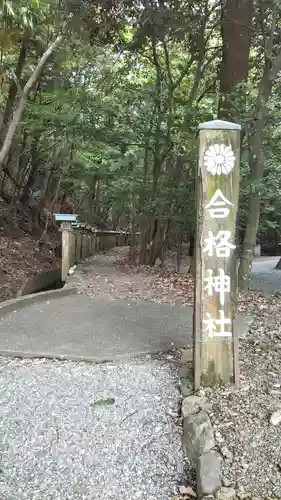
270	72
178	257
50	210
236	31
17	116
13	90
256	161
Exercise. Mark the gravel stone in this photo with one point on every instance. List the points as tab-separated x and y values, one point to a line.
226	494
192	404
61	440
226	453
226	482
275	418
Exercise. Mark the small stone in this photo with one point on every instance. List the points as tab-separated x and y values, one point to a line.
208	473
201	393
191	405
226	482
219	437
275	418
187	490
226	494
240	491
198	436
245	388
226	453
180	467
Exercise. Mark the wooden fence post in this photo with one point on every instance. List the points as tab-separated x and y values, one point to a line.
72	247
216	346
84	245
89	245
66	249
78	246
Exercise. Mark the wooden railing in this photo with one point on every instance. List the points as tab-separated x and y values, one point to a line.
78	243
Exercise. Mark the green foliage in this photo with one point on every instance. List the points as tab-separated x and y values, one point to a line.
116	112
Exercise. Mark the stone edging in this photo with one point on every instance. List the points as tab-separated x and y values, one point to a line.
20	302
198	440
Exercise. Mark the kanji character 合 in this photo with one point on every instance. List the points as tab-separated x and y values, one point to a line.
220	243
217	206
213	324
218	284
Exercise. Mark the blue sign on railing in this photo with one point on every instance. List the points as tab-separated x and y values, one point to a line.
66	217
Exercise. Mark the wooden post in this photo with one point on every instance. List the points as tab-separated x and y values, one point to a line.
65	254
72	247
84	246
78	245
89	245
216	345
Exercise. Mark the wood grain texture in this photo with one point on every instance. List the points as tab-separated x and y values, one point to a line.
214	357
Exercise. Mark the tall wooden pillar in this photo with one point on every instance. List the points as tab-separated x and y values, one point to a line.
215	344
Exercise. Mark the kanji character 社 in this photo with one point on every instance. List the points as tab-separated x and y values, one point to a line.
213	324
218	284
220	243
218	206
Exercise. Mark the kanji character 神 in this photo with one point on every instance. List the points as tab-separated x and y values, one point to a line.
218	284
213	324
217	206
220	243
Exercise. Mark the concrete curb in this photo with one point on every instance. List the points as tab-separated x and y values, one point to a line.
20	302
8	353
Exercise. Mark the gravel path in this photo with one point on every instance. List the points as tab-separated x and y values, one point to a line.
61	440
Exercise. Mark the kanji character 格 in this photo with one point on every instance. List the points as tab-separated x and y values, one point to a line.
218	284
212	325
220	243
217	206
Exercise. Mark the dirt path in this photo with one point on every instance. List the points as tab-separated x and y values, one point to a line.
111	274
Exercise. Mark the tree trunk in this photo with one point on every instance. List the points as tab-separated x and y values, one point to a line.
157	242
17	116
42	238
179	245
13	90
256	162
236	31
42	201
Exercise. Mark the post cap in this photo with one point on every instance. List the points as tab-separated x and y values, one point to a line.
219	125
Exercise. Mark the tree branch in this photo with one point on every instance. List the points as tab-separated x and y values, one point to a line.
24	97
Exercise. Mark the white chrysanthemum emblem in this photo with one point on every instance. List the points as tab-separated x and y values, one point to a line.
219	159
